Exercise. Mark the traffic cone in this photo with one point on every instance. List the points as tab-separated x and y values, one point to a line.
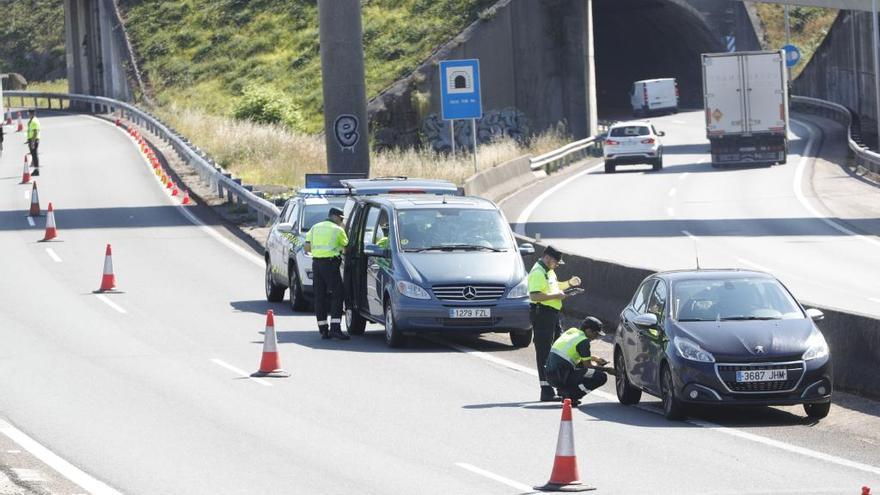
118	122
866	490
169	183
186	200
108	280
564	477
51	231
175	191
8	117
270	365
20	123
26	174
35	202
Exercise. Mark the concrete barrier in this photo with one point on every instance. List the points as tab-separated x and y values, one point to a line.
497	182
854	340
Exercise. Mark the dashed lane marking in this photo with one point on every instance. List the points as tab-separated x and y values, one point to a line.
492	476
670	211
66	469
673	192
240	373
31	221
106	300
52	254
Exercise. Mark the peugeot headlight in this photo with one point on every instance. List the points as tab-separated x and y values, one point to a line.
520	291
412	290
816	347
690	350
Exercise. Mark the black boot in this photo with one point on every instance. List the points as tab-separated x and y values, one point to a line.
337	333
325	333
548	395
35	173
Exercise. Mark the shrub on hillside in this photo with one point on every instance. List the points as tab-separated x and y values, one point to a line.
265	105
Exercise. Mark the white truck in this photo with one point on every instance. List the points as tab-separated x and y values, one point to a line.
746	101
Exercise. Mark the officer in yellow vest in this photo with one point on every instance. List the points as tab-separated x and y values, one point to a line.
568	353
546	294
325	242
33	140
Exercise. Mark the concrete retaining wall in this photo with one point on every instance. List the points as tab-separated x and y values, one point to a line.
498	182
854	339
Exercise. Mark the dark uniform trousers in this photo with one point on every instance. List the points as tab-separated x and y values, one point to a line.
328	292
33	147
570	382
547	328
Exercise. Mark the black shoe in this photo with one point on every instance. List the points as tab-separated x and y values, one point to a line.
325	335
548	395
339	334
35	173
575	402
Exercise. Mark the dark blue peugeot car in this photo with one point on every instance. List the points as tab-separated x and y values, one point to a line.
721	337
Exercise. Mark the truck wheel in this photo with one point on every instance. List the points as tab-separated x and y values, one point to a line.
521	339
609	168
297	299
393	336
354	322
274	292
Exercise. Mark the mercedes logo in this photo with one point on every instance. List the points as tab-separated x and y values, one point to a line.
759	349
469	292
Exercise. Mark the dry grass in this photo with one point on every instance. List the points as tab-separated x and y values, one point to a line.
271	155
809	25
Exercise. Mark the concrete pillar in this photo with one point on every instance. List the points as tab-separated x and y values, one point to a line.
94	52
592	112
346	127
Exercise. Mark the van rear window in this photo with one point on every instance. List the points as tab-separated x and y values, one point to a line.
630	130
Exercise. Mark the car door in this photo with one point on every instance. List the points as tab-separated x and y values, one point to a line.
291	239
630	339
273	240
652	341
372	267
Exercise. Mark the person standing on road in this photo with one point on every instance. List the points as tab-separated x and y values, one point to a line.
325	242
33	140
1	137
569	352
546	294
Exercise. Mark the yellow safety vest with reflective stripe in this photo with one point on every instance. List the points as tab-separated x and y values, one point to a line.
566	346
33	129
544	281
327	240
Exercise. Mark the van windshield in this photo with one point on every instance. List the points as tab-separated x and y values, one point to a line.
452	229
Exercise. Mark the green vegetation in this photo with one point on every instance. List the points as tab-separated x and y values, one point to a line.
32	38
809	25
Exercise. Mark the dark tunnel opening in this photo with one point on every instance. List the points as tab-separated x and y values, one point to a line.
646	39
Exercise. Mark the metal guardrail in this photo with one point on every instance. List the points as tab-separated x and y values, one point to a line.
572	152
219	179
863	155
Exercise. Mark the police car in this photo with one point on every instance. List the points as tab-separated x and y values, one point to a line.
287	264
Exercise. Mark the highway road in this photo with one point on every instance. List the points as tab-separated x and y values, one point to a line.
145	391
765	218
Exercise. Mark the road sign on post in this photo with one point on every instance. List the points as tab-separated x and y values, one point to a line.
460	94
792	55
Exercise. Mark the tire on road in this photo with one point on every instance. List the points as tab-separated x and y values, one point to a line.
298	301
609	167
354	322
817	411
393	336
274	292
626	393
657	163
673	409
521	339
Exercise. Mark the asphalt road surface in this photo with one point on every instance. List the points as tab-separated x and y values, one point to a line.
765	218
144	390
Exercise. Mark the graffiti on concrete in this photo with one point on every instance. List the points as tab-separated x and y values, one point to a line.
495	125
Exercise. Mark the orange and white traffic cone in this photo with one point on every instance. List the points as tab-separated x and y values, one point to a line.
35	202
564	477
20	123
8	117
108	280
26	174
169	183
866	490
175	191
186	200
118	122
270	365
51	231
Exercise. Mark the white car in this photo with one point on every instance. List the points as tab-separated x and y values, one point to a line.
630	143
654	96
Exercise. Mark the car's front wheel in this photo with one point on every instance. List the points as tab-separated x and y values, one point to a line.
817	411
521	339
673	409
297	299
274	292
354	322
626	393
393	336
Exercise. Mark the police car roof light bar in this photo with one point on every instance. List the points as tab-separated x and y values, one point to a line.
330	181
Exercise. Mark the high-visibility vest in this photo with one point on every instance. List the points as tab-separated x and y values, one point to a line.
33	129
327	239
544	281
566	346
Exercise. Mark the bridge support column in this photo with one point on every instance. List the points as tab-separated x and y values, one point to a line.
95	62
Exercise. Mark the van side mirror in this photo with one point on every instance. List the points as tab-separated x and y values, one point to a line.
526	249
376	251
285	227
646	320
815	315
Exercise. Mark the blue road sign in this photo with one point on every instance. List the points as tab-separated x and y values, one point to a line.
792	55
460	89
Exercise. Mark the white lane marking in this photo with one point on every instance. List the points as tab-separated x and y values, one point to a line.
25	474
692	236
684	176
523	218
673	192
874	299
253	258
52	254
754	265
13	452
679	122
492	476
106	300
27	194
798	192
66	469
704	424
239	372
31	221
670	211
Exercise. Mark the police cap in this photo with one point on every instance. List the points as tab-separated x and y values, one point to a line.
593	324
336	212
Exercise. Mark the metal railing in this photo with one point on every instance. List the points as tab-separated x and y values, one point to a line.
565	155
863	155
210	173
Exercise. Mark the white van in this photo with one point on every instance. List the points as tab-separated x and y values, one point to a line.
654	96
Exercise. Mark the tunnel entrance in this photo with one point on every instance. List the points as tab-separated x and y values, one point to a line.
646	39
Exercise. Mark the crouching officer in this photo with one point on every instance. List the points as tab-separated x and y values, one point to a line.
569	352
546	295
325	242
